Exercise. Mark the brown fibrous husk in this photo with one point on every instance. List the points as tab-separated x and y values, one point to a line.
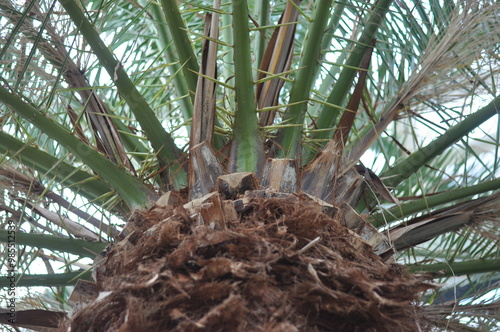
248	274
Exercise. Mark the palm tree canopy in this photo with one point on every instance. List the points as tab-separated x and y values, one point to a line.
388	107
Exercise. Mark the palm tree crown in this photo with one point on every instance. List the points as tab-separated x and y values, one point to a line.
385	113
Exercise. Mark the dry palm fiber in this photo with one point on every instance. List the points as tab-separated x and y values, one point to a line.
248	273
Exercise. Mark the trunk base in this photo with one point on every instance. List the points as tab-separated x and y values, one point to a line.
255	270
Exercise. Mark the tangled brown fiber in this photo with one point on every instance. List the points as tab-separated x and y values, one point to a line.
255	272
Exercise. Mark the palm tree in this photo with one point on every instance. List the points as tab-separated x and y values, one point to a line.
250	165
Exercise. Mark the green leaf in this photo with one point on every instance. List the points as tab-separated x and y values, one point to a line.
419	158
133	192
163	144
246	147
329	114
48	280
178	31
450	269
82	183
431	201
72	246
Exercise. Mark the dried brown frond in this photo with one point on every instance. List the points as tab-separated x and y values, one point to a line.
450	316
486	220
